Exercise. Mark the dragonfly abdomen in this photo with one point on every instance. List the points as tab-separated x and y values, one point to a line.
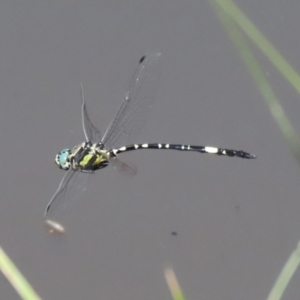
180	147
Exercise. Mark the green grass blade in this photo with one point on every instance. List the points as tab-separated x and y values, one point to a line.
255	70
261	42
16	279
229	22
285	276
173	284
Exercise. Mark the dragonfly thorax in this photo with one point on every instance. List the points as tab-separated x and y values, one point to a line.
86	157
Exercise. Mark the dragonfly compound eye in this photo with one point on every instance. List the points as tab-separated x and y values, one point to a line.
62	159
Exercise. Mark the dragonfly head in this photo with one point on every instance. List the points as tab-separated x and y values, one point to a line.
62	159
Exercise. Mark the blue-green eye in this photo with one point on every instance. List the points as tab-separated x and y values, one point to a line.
61	159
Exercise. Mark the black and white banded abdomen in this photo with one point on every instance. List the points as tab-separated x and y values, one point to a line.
179	147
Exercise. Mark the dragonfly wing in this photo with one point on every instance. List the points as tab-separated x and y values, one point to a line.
70	188
127	168
90	131
131	116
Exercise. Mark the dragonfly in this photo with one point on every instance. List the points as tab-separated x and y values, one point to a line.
97	152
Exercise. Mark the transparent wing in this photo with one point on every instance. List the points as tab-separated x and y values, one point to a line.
90	131
131	116
70	188
127	168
